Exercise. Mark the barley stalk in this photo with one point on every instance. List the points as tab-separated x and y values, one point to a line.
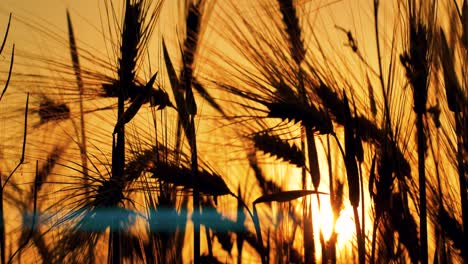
415	61
131	37
193	22
353	174
297	52
79	81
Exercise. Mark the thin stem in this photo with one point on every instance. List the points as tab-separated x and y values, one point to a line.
9	72
463	181
2	185
308	230
6	34
196	194
374	238
208	241
422	187
332	246
258	230
25	132
34	216
361	249
363	208
379	58
2	228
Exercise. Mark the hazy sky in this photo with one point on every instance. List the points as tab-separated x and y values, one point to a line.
89	11
48	14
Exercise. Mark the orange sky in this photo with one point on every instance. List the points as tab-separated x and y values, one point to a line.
349	14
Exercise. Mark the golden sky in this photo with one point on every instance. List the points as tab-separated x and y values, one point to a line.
35	22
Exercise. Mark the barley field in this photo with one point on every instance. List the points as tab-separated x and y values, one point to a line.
234	131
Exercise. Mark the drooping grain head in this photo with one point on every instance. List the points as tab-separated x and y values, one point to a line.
368	130
275	146
221	227
267	186
310	117
50	110
207	182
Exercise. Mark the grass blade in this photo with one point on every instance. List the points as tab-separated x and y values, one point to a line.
285	196
9	73
132	110
6	34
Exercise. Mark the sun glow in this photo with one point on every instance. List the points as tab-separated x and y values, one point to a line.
326	220
344	226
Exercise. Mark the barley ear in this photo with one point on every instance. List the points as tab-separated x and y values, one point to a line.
350	156
293	30
275	146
